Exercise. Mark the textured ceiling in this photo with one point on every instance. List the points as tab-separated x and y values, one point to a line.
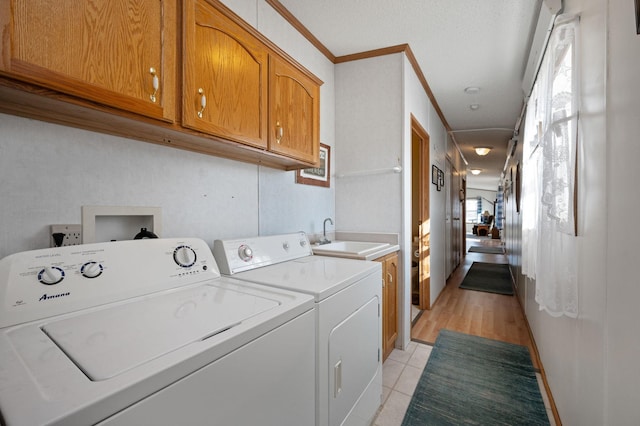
457	43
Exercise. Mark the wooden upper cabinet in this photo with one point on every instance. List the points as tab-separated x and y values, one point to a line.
117	53
119	57
225	77
294	112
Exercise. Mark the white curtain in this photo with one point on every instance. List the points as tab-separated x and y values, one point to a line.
550	141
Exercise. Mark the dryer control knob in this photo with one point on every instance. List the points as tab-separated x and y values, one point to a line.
51	275
245	252
285	245
184	256
91	269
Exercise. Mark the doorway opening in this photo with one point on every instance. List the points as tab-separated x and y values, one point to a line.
420	219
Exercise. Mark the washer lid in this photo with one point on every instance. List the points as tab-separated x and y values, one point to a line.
319	276
108	342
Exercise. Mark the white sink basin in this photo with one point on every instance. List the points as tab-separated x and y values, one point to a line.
352	249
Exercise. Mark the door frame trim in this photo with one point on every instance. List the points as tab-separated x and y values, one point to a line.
424	171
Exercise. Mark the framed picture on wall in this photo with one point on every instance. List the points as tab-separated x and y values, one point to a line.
434	175
518	189
317	176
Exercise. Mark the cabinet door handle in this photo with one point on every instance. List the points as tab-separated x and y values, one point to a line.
390	277
155	83
279	132
203	102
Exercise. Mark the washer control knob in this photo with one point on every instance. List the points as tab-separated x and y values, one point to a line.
91	269
245	252
184	256
51	275
303	243
285	245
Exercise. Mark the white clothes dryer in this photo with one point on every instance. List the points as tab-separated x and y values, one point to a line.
347	296
148	332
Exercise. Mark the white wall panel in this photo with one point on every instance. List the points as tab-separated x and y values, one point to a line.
623	152
437	206
369	137
247	10
289	207
47	172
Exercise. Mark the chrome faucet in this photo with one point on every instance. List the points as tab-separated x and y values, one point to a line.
324	231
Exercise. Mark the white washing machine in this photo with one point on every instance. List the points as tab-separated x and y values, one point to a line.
347	295
147	332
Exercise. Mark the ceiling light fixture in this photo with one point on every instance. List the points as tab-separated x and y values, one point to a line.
482	150
474	107
475	172
471	90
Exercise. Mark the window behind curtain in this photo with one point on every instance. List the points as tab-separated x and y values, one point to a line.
549	160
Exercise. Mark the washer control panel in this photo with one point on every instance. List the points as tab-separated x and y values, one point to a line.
239	255
41	283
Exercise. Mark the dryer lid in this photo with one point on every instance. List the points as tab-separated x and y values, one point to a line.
319	276
108	342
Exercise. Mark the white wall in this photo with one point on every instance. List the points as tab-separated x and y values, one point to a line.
369	132
47	172
374	103
591	361
417	103
622	344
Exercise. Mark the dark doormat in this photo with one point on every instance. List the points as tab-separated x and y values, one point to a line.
485	249
488	277
471	380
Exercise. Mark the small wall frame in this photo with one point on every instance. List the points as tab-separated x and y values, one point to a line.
437	177
317	176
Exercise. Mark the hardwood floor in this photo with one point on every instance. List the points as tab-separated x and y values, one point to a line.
494	316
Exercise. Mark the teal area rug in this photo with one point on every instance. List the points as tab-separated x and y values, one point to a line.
485	249
488	277
471	380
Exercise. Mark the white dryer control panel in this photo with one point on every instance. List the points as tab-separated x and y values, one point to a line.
42	283
240	255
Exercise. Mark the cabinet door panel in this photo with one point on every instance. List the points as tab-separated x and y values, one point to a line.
294	114
390	303
228	66
102	50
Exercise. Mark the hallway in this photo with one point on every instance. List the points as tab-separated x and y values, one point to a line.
494	316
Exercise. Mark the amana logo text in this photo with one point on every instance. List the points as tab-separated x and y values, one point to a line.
54	296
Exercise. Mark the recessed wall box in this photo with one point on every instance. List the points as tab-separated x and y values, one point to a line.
109	223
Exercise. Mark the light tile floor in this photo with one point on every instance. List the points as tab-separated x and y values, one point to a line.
400	374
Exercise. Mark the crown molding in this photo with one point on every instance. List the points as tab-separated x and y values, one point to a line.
401	48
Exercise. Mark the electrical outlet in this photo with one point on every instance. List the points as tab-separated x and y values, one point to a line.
72	235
